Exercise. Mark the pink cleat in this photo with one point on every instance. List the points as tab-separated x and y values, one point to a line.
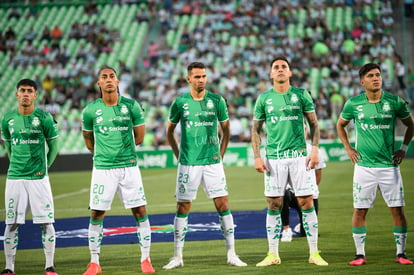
146	266
402	259
359	260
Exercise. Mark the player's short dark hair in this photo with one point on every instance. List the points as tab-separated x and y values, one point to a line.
106	67
368	67
280	57
26	82
195	65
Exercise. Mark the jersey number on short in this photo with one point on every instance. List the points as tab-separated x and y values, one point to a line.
182	178
98	189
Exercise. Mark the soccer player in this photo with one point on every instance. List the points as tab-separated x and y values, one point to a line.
284	108
26	132
200	158
112	126
374	157
289	199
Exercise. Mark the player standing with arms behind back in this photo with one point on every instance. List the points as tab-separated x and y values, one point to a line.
284	108
25	131
112	126
375	161
200	159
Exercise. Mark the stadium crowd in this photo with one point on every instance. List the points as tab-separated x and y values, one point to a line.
238	71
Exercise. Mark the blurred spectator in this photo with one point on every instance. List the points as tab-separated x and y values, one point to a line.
45	35
400	72
56	33
153	49
337	101
236	129
76	125
30	35
64	125
14	12
48	84
143	15
33	9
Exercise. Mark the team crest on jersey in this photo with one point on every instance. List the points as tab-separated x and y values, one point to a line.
35	121
124	109
270	109
294	98
386	107
210	104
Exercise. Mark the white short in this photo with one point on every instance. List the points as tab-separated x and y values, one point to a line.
189	178
22	195
367	180
284	171
127	182
312	179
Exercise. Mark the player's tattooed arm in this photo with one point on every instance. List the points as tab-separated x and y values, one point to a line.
89	140
314	131
256	139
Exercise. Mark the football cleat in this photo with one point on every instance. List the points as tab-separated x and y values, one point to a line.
315	258
270	259
175	262
50	271
93	269
235	261
287	235
359	260
402	259
146	266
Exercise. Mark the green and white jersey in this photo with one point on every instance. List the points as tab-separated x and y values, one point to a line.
200	144
27	135
374	127
113	131
283	114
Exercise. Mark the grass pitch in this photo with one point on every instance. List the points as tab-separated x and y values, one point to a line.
71	192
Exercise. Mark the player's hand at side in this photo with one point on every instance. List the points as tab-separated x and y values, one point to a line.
353	155
313	159
259	165
398	156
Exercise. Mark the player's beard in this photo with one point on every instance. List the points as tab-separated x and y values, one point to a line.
200	89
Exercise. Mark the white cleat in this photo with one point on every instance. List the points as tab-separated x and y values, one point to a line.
175	262
235	261
287	235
